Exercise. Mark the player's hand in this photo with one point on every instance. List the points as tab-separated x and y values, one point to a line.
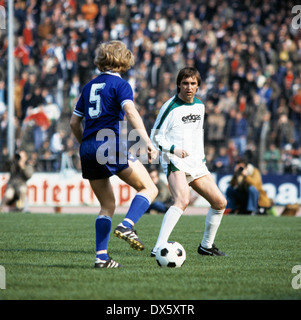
181	153
153	153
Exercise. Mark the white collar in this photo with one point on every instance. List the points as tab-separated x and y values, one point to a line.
111	73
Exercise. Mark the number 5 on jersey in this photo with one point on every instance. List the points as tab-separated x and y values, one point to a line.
95	98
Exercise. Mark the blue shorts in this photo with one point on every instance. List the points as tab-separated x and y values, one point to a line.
102	159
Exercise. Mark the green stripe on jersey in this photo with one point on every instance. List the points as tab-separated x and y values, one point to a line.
175	103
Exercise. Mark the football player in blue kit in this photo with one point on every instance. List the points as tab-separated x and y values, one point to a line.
103	103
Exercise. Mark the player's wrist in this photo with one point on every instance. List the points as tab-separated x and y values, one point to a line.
172	149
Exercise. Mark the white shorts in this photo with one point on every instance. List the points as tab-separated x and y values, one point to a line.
203	171
193	174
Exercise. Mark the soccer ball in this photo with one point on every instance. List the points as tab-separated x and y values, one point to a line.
171	254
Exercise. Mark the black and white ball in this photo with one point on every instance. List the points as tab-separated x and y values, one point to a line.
171	254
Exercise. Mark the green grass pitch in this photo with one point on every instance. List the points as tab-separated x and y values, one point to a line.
51	256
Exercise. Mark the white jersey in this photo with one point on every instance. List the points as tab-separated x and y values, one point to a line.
180	124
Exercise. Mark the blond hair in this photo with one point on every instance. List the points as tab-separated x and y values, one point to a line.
114	56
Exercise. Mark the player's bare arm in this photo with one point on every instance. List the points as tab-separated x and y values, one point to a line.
136	122
76	127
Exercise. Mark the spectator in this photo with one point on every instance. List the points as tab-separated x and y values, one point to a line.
245	193
173	41
291	158
74	92
227	102
156	72
283	132
28	90
50	78
28	34
240	51
160	45
46	29
71	59
190	23
3	130
57	142
2	97
239	133
272	158
84	66
4	159
216	127
16	189
295	113
32	68
21	51
103	22
71	147
221	161
48	161
89	10
256	114
157	24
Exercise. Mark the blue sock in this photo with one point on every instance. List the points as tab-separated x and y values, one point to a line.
137	208
102	231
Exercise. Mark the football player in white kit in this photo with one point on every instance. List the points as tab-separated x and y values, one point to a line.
178	134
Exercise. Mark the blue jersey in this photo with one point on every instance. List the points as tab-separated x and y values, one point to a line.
101	103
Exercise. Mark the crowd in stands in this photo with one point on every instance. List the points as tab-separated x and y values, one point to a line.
247	52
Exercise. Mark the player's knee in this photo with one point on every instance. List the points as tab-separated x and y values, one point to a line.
153	192
185	203
221	204
182	203
108	209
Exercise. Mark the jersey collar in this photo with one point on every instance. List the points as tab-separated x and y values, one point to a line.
111	73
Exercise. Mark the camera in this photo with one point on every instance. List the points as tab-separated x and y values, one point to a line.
17	157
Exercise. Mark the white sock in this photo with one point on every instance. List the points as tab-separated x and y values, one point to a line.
212	222
170	219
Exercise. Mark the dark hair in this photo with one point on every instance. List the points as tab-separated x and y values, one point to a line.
241	160
188	72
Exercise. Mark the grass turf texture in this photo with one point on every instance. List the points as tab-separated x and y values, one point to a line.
52	257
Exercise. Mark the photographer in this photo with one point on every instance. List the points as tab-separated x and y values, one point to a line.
245	193
16	189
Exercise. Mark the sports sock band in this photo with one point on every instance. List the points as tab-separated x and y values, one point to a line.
170	220
102	232
138	207
212	222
